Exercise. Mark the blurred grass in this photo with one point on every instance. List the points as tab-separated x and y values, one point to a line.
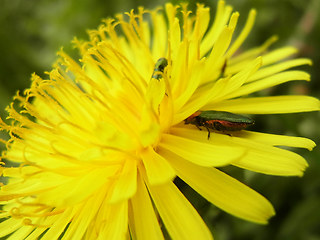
31	32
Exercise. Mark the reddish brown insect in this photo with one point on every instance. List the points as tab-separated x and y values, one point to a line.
219	121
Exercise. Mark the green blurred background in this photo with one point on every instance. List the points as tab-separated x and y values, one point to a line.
32	31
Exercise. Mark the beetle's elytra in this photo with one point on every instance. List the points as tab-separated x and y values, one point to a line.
219	121
159	67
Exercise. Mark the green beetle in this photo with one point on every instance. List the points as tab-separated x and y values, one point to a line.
159	67
219	121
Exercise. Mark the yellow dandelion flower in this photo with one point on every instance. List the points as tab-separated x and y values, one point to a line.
98	143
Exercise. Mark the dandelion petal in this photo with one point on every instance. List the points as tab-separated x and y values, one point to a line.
273	69
224	191
278	140
157	168
85	214
55	231
271	81
184	223
113	224
145	222
126	185
21	233
200	153
9	226
267	105
269	160
278	55
259	156
273	161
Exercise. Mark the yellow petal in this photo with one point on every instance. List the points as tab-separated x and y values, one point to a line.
10	225
58	227
269	58
155	92
244	33
44	222
180	218
251	53
220	89
149	128
114	222
194	80
157	168
267	71
200	27
216	58
273	164
146	225
270	160
198	99
235	82
202	22
221	18
259	157
200	153
267	105
36	233
126	184
174	33
278	55
277	140
86	212
269	82
160	37
74	190
224	191
179	71
21	233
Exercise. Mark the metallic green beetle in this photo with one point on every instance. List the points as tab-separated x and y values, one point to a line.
159	67
219	121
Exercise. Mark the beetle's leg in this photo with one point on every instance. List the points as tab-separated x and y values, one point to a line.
208	132
198	123
224	66
226	133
